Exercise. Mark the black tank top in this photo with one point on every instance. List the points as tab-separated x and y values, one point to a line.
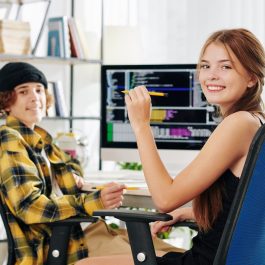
205	244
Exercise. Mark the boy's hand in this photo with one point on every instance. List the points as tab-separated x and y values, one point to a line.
112	195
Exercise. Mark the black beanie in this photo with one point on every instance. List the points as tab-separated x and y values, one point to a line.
17	73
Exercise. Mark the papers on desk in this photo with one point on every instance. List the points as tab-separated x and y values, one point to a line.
130	178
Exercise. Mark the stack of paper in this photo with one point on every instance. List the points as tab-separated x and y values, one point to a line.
14	37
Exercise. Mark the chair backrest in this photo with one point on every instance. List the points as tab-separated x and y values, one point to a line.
10	242
243	239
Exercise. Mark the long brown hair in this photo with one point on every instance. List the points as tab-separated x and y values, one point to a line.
250	53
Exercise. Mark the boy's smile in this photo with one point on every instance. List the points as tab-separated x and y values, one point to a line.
30	104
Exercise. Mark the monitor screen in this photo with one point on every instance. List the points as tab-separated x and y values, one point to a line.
181	120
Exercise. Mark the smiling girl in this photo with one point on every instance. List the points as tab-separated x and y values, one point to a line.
231	73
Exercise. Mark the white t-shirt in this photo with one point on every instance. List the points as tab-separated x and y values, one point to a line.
56	191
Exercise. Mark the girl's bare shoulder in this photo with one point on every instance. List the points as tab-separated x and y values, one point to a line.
237	127
241	119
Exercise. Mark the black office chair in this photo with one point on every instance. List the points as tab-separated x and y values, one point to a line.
243	239
58	242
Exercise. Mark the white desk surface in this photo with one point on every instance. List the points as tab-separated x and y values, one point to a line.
139	198
128	177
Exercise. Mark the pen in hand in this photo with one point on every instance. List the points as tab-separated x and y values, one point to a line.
111	195
101	187
151	93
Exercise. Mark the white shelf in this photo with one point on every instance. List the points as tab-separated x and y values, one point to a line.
46	59
21	2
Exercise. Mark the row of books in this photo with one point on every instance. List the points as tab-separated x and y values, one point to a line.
14	37
59	108
66	38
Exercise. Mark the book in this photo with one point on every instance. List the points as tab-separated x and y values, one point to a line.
79	43
55	44
83	40
58	37
59	108
60	102
76	48
14	24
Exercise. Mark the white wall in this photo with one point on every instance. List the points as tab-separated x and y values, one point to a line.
171	31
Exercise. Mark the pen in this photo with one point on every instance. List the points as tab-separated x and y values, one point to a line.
102	187
151	93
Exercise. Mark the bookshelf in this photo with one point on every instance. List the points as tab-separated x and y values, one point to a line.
74	119
65	123
12	9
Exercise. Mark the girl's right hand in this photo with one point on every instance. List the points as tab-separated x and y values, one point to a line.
161	226
138	103
179	215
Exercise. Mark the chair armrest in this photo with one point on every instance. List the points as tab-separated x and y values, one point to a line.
73	220
190	224
59	240
137	223
133	215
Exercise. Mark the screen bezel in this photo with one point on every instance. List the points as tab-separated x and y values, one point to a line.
160	145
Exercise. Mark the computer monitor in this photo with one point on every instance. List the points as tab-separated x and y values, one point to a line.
181	121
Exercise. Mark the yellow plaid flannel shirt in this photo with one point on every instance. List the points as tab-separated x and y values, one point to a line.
26	192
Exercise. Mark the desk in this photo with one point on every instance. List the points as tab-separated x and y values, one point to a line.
134	198
139	198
